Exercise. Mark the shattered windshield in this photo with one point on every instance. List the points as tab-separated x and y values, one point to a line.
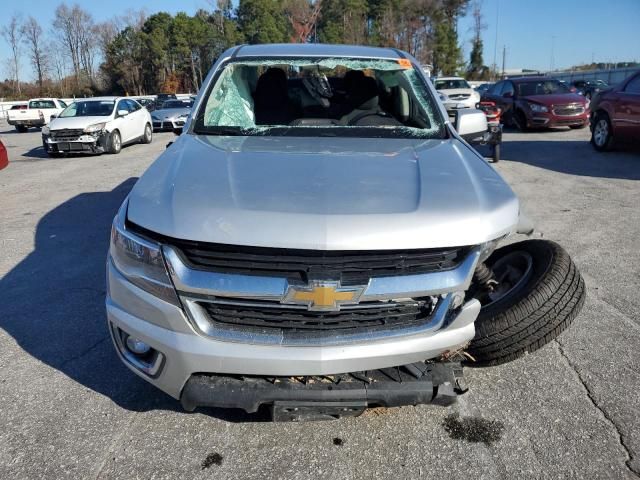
319	97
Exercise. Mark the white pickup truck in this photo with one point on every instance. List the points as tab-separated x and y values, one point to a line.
37	114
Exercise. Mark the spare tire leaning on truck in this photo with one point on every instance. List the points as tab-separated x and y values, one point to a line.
536	293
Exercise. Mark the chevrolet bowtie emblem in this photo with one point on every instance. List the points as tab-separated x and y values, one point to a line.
323	295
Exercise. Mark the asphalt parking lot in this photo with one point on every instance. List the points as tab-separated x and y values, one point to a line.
69	409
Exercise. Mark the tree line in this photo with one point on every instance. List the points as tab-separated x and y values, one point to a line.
138	54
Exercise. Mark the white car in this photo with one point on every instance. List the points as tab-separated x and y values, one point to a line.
98	125
456	93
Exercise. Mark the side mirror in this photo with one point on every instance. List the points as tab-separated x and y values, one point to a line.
471	123
177	130
123	113
53	116
507	95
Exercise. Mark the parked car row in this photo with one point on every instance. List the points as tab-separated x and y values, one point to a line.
612	112
101	124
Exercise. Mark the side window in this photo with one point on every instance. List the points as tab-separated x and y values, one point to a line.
507	88
62	104
122	105
633	86
133	106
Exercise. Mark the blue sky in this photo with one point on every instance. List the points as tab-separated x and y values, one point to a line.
583	29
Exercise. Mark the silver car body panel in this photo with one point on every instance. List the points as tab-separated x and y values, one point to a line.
169	114
346	194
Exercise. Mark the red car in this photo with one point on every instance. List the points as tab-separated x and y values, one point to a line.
538	102
4	158
616	114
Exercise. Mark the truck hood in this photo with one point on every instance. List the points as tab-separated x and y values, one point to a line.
75	122
323	193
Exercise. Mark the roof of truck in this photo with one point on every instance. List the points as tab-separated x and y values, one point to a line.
315	50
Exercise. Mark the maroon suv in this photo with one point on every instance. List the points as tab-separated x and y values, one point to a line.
538	102
616	114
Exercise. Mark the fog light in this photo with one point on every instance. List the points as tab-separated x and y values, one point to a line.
137	346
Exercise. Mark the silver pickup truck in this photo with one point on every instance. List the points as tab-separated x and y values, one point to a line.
320	239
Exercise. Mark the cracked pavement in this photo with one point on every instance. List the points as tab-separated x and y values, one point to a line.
69	409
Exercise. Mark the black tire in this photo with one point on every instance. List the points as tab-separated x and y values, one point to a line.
22	128
496	153
520	120
147	137
535	312
601	134
115	142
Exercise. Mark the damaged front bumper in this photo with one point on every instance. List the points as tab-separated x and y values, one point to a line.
331	396
86	142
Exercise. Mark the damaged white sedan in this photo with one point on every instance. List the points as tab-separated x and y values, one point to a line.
97	125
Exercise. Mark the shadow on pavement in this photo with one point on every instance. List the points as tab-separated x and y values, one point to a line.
579	158
52	303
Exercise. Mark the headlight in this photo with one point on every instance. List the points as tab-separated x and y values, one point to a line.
475	96
140	260
154	118
45	130
443	97
538	108
184	116
96	127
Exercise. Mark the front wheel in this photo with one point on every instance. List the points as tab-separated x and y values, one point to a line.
115	142
148	134
601	136
520	119
538	293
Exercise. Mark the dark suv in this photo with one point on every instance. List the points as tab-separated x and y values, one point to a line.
589	88
538	102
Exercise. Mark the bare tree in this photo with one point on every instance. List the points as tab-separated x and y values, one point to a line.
75	29
13	35
32	37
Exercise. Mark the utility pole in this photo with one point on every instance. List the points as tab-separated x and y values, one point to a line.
504	56
552	63
495	43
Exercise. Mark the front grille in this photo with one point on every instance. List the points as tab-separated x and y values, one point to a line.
459	96
568	110
66	135
271	315
350	267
